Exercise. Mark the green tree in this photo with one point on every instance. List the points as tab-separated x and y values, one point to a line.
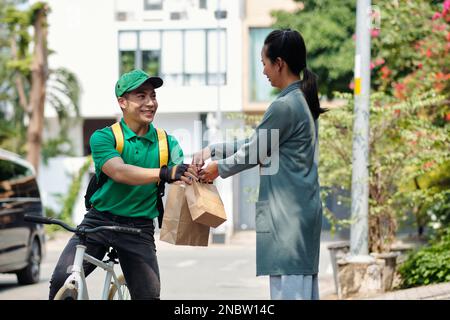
396	157
411	57
409	122
30	84
410	51
328	27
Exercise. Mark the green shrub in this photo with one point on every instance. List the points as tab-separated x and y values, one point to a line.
430	264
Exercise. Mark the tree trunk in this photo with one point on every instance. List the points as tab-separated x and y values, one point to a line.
39	74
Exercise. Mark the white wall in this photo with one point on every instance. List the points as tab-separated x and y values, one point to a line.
84	36
75	132
55	178
186	128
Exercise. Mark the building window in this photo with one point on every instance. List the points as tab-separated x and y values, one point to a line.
217	59
202	4
153	5
180	57
172	57
150	48
127	61
150	62
195	57
260	88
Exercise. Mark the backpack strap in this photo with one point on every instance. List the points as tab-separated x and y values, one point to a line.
118	135
163	145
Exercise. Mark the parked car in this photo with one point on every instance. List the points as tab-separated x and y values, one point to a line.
22	244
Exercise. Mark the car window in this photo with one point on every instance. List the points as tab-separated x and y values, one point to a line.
16	181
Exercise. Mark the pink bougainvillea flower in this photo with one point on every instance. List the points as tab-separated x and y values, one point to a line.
446	5
351	85
436	16
428	164
372	65
385	72
420	65
399	90
447	117
379	62
399	86
375	33
429	53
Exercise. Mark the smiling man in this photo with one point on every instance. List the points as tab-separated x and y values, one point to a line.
130	194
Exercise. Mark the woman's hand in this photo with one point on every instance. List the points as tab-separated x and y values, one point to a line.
210	173
198	159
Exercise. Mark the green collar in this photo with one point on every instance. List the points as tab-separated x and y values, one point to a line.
128	133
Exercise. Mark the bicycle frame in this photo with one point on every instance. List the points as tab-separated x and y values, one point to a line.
78	279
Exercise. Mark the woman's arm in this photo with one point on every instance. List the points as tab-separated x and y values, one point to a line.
261	148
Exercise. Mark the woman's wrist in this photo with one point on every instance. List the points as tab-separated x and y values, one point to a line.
206	153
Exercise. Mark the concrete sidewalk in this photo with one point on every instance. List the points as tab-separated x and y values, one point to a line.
439	291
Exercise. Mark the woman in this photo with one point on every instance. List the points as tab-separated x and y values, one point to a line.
289	210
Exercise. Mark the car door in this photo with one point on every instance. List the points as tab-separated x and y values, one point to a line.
14	234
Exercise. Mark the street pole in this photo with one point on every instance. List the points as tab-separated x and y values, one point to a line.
360	173
218	111
220	233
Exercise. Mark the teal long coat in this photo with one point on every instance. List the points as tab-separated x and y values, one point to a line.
289	209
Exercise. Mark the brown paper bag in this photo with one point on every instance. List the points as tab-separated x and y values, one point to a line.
205	204
177	226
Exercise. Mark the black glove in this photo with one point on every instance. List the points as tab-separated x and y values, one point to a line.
172	174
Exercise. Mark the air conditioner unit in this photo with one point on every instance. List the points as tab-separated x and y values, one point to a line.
121	16
220	14
178	15
125	16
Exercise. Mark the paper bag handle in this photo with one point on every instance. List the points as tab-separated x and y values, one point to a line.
195	186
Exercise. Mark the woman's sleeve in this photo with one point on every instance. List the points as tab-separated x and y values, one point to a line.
262	147
225	149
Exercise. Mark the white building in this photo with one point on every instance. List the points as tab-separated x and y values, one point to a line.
210	66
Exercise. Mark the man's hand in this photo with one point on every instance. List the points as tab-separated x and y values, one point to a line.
181	172
210	173
198	159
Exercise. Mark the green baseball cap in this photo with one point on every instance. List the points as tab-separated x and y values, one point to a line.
133	80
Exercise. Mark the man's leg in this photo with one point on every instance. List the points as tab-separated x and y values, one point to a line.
137	255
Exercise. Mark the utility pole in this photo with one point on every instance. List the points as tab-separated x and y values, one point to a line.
218	111
360	174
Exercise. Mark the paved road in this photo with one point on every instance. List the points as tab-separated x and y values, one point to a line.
192	273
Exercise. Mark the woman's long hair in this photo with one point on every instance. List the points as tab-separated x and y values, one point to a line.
289	45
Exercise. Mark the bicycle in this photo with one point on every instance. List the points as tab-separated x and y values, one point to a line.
75	287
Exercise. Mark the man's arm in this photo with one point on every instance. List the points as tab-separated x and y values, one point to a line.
124	173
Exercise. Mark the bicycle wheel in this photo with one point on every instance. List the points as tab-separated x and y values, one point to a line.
114	290
67	292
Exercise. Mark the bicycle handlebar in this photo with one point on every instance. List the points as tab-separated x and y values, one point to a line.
45	220
114	228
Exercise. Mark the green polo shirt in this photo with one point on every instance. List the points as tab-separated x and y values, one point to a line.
142	151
